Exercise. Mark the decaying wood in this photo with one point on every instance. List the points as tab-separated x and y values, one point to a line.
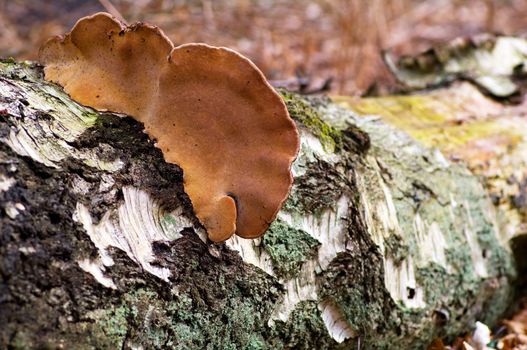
396	232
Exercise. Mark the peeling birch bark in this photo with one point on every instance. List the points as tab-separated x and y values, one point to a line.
394	233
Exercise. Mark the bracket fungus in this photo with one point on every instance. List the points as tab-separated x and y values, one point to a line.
210	109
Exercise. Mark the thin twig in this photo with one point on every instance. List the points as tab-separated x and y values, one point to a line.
112	10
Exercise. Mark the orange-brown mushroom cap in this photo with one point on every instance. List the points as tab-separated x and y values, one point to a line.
210	109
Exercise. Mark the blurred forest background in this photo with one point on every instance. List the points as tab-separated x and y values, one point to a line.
337	43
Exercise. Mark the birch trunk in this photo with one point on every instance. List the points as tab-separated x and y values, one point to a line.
393	235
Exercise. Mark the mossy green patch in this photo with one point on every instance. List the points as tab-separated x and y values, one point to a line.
114	324
288	247
305	329
301	110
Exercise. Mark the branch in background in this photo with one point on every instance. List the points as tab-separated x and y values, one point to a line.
108	6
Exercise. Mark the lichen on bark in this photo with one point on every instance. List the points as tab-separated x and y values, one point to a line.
288	247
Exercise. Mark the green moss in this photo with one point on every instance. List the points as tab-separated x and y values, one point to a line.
288	247
256	342
114	324
305	329
301	110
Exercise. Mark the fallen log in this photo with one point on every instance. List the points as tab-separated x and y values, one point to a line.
394	234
